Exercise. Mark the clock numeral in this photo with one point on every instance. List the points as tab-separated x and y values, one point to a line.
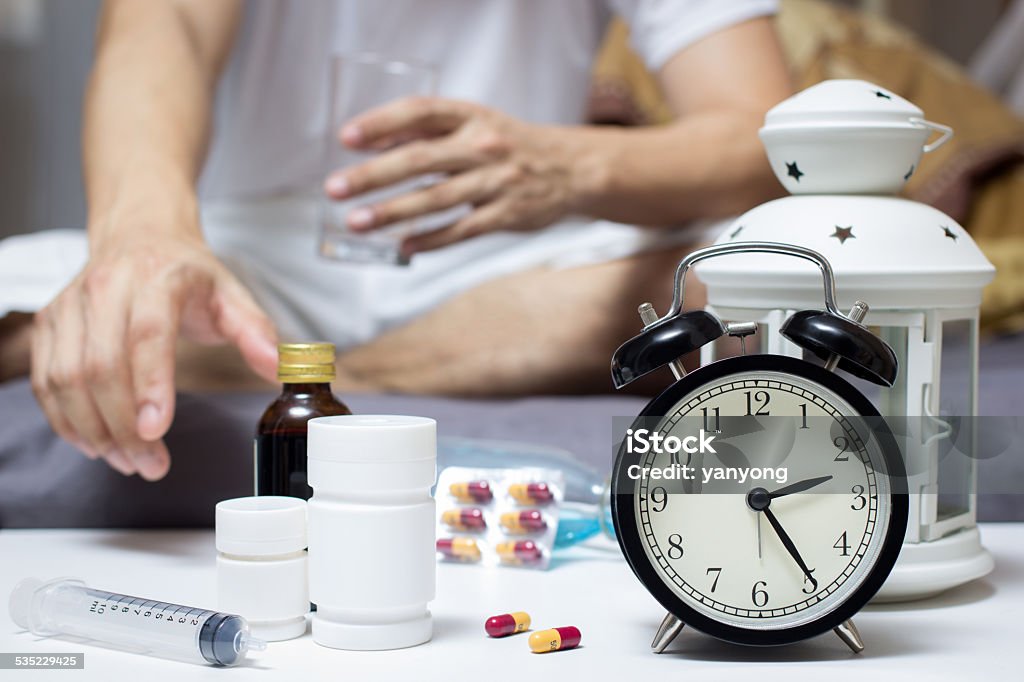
758	595
718	419
803	416
675	546
674	459
843	443
658	496
858	497
761	397
718	574
842	545
810	582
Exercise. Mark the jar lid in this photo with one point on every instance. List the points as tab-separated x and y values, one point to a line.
372	438
261	526
845	102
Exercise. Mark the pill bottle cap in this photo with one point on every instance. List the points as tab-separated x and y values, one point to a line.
373	438
261	526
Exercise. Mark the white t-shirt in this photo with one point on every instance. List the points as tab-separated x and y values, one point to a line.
529	58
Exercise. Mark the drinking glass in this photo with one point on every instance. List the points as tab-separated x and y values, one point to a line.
357	83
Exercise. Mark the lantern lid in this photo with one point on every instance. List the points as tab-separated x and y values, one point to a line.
889	252
844	102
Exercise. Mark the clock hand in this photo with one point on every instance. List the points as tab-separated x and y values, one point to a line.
799	487
759	535
787	542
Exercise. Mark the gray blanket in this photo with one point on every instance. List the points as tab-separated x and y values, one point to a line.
46	483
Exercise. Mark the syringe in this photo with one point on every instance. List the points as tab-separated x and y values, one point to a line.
68	607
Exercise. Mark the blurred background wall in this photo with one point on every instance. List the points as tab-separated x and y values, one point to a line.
45	51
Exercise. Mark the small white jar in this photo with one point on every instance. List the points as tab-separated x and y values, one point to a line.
371	530
262	565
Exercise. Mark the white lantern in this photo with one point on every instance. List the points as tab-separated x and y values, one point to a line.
919	271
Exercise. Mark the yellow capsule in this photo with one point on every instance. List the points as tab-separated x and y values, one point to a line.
507	624
464	549
469	518
471	491
528	521
519	552
555	639
530	493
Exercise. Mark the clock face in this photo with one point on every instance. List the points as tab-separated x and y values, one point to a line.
788	527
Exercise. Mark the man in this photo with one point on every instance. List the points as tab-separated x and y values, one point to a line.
528	292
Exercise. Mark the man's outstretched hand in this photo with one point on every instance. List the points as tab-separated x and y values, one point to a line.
103	351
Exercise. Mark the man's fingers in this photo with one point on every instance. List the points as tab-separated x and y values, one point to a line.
415	115
108	371
447	155
241	321
151	338
41	351
486	218
70	385
469	188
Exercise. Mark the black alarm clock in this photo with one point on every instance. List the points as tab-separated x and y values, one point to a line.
746	557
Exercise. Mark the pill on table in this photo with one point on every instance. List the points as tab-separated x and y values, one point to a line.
469	518
463	549
528	521
471	491
507	624
555	639
521	551
530	493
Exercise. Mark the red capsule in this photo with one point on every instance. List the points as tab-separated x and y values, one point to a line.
470	518
555	639
461	549
471	491
507	624
527	521
521	552
530	493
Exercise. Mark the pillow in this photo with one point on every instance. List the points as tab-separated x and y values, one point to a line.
976	177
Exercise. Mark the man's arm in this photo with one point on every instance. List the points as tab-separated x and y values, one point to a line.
147	110
709	162
103	350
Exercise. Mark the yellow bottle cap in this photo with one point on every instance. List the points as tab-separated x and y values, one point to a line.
299	363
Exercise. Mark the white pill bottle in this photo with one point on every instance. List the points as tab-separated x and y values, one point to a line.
261	564
371	530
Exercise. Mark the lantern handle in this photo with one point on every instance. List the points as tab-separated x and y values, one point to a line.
827	276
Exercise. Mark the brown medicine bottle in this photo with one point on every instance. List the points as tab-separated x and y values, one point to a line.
306	371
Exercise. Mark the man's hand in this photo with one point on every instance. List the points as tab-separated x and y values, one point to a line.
515	175
103	350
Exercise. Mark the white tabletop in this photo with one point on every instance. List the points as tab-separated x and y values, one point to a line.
974	632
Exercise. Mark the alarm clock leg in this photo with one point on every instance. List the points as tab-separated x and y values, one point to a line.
847	632
668	630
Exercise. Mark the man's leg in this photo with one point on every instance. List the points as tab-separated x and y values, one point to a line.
15	339
540	331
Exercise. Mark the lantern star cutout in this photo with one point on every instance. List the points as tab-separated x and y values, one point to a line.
948	232
736	232
843	233
793	171
882	95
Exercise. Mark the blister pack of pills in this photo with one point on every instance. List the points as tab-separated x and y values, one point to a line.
498	517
